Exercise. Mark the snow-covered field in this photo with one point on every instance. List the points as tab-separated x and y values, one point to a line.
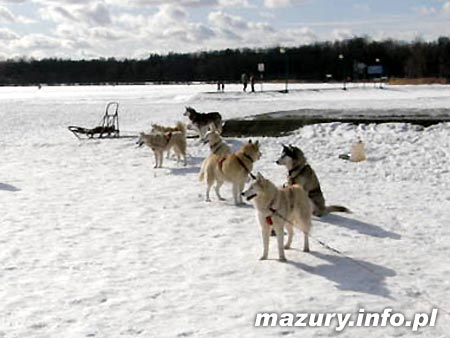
94	242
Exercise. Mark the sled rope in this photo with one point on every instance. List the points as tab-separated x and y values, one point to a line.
425	297
330	248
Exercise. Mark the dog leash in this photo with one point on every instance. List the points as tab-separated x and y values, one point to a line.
425	296
329	247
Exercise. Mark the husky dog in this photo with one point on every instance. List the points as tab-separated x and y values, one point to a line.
234	168
157	128
357	153
160	142
216	144
179	127
278	208
202	122
301	173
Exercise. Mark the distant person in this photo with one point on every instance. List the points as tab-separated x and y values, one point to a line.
244	80
220	86
252	82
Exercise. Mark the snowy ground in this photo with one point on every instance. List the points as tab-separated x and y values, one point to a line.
97	243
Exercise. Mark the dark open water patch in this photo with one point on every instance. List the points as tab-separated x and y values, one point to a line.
282	122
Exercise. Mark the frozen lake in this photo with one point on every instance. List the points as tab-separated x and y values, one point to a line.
97	243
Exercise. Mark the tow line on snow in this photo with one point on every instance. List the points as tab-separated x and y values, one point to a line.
425	297
329	247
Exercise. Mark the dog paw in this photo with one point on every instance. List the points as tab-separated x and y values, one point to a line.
306	250
282	259
263	258
287	247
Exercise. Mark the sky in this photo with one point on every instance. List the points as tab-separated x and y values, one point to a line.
87	29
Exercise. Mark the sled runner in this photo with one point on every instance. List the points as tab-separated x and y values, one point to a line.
108	128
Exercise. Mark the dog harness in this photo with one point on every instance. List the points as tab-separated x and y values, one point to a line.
291	179
222	159
243	164
215	147
273	209
220	162
168	137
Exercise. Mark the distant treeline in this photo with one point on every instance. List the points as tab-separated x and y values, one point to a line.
316	62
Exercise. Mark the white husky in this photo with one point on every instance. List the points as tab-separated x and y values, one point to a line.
279	208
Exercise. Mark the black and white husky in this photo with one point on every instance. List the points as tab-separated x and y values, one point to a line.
204	121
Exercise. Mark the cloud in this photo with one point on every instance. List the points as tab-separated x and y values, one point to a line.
97	14
6	15
234	3
446	8
169	14
153	3
226	21
7	34
169	29
94	15
57	14
102	33
341	34
295	36
426	11
283	3
38	42
181	3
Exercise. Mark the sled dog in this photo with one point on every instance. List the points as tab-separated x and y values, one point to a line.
216	145
357	153
202	122
179	127
160	142
157	128
234	168
301	173
278	208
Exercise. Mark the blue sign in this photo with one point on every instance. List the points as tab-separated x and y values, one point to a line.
375	70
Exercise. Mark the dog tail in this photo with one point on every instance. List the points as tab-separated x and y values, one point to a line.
201	176
181	127
337	208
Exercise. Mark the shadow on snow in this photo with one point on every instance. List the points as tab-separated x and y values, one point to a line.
350	274
359	226
8	187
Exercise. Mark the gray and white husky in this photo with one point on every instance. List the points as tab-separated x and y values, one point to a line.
301	173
